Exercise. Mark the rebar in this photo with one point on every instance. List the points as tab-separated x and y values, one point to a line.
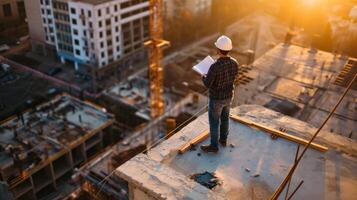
282	185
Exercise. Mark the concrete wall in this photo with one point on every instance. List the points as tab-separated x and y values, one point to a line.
136	193
34	20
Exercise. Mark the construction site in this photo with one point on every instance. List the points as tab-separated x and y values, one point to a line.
41	148
107	104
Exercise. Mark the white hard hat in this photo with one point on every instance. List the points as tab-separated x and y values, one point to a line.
224	43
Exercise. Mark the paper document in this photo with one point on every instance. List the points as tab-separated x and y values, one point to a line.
203	66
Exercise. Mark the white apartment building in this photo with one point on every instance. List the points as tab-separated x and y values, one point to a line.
92	32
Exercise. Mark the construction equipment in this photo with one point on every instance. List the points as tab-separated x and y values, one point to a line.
156	45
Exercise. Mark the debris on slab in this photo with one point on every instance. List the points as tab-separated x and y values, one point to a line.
207	179
256	175
232	145
193	147
247	169
198	154
274	137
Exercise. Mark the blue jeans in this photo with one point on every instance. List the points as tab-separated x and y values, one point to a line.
218	117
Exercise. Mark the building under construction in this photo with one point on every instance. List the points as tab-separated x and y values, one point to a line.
259	84
58	149
40	148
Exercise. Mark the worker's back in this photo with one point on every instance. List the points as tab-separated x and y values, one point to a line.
220	78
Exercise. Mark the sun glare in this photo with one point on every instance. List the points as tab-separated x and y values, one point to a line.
310	2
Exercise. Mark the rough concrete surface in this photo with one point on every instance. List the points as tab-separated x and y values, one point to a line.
330	175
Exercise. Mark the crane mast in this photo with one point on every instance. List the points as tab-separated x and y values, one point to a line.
156	45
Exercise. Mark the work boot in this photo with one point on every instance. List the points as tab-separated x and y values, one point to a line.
223	142
209	148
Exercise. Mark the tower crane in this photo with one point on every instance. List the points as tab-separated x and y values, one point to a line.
156	45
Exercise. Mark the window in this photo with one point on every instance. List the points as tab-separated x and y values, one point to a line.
7	10
117	29
115	7
100	24
103	54
99	13
90	25
109	32
42	11
110	52
108	10
137	46
73	10
74	21
107	22
118	48
78	52
44	20
100	34
136	22
48	11
117	38
89	13
125	4
116	18
76	42
85	33
75	31
126	26
125	15
101	44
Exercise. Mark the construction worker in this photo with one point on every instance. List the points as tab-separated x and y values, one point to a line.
219	80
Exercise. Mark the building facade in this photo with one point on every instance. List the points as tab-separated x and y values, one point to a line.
93	32
12	10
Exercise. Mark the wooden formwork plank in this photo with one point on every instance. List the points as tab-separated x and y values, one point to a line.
199	138
279	133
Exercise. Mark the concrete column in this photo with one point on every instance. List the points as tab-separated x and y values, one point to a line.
76	66
63	61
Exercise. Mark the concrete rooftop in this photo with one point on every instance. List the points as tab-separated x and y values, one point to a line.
164	174
134	93
306	78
